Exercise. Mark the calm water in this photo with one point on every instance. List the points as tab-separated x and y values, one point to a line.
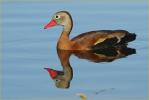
28	48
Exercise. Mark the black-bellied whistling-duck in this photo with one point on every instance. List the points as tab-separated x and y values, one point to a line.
89	40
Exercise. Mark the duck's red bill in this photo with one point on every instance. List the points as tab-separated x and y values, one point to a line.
52	73
50	24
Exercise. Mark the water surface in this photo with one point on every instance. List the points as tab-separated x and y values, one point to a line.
28	48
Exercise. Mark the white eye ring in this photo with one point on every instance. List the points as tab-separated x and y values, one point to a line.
57	16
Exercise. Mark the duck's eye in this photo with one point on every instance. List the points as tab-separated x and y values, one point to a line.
57	17
56	80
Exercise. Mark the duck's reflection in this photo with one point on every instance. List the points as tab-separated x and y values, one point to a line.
63	78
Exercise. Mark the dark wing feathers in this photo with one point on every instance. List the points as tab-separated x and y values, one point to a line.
106	43
114	41
119	37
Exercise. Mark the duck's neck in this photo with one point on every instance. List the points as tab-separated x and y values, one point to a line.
67	28
64	41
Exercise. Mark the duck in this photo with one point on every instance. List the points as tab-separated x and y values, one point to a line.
89	40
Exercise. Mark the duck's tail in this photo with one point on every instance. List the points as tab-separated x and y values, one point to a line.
128	38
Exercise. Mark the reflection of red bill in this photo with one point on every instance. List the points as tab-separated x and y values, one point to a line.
52	73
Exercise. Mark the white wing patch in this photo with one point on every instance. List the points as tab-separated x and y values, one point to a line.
119	39
99	40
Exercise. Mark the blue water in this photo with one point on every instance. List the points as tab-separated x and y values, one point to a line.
28	48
